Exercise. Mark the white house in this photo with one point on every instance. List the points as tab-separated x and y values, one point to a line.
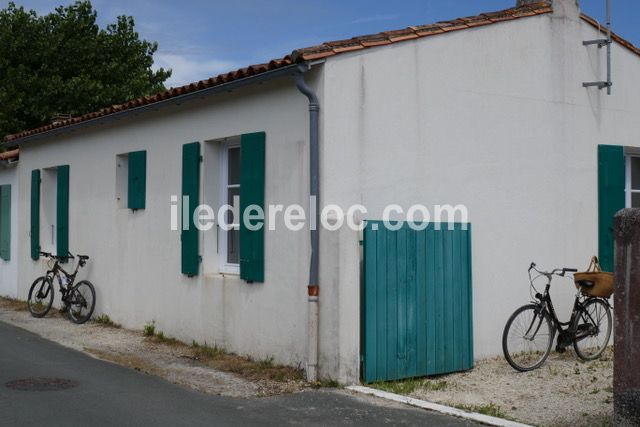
489	112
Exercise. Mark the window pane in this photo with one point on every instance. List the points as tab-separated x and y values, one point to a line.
635	200
231	193
234	166
635	173
233	246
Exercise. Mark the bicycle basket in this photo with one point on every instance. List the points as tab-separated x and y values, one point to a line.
594	282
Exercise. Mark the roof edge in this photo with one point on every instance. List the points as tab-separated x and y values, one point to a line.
615	37
95	118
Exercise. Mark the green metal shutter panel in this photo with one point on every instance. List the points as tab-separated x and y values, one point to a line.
35	214
5	222
62	212
252	184
137	180
417	316
190	189
611	183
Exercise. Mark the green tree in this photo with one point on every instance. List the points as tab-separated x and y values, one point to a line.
64	63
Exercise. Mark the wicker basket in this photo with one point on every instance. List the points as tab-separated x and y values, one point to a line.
603	281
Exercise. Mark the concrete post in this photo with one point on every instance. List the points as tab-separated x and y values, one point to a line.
626	362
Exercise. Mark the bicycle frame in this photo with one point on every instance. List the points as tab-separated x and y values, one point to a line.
55	272
568	332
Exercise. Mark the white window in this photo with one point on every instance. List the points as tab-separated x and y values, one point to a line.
632	182
122	180
48	209
229	239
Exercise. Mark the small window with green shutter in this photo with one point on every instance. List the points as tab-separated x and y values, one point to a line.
5	222
131	180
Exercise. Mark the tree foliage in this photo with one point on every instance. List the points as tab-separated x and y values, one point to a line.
64	63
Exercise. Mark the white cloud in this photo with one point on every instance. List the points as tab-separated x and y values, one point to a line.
188	69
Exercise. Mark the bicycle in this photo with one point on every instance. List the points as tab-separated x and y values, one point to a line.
528	335
78	300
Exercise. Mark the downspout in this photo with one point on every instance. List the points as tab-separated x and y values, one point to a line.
314	219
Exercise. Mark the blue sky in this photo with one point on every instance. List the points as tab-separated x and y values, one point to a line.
201	38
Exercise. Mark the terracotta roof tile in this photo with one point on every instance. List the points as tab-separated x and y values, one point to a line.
313	53
8	155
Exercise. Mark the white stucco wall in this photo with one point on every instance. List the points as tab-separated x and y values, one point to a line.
135	262
9	269
494	118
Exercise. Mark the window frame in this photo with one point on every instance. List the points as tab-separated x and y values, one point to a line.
224	266
628	191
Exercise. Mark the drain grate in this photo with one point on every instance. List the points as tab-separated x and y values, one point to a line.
41	384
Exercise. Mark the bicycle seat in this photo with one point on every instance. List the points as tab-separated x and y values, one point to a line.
586	283
83	257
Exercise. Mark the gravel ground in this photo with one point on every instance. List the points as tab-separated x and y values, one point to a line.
175	363
564	392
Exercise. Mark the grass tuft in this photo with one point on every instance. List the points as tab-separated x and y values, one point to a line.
490	409
410	385
264	369
326	383
149	329
105	320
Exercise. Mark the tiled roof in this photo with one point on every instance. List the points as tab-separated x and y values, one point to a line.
308	54
616	38
388	37
8	155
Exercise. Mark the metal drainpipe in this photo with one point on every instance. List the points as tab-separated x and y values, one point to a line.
313	286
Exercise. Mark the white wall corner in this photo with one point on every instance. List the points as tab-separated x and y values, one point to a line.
349	306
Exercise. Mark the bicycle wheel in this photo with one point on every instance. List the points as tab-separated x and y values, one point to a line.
593	330
527	338
40	297
82	301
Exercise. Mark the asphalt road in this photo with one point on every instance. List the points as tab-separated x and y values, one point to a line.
105	394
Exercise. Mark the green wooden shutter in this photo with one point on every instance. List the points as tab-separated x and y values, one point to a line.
252	183
35	214
190	189
611	183
5	222
62	212
137	180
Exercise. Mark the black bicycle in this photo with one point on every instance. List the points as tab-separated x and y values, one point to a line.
78	300
529	332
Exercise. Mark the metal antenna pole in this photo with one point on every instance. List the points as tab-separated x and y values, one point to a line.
602	42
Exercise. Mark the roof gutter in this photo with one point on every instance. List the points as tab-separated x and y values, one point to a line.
314	215
177	100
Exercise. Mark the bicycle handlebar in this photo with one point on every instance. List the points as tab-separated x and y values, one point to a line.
556	271
69	255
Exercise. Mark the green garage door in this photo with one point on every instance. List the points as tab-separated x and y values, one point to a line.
416	302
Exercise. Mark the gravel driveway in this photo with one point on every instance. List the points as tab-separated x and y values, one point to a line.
565	391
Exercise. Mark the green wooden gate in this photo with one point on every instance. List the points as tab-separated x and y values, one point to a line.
416	301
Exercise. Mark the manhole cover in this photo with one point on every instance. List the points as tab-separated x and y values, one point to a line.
41	384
